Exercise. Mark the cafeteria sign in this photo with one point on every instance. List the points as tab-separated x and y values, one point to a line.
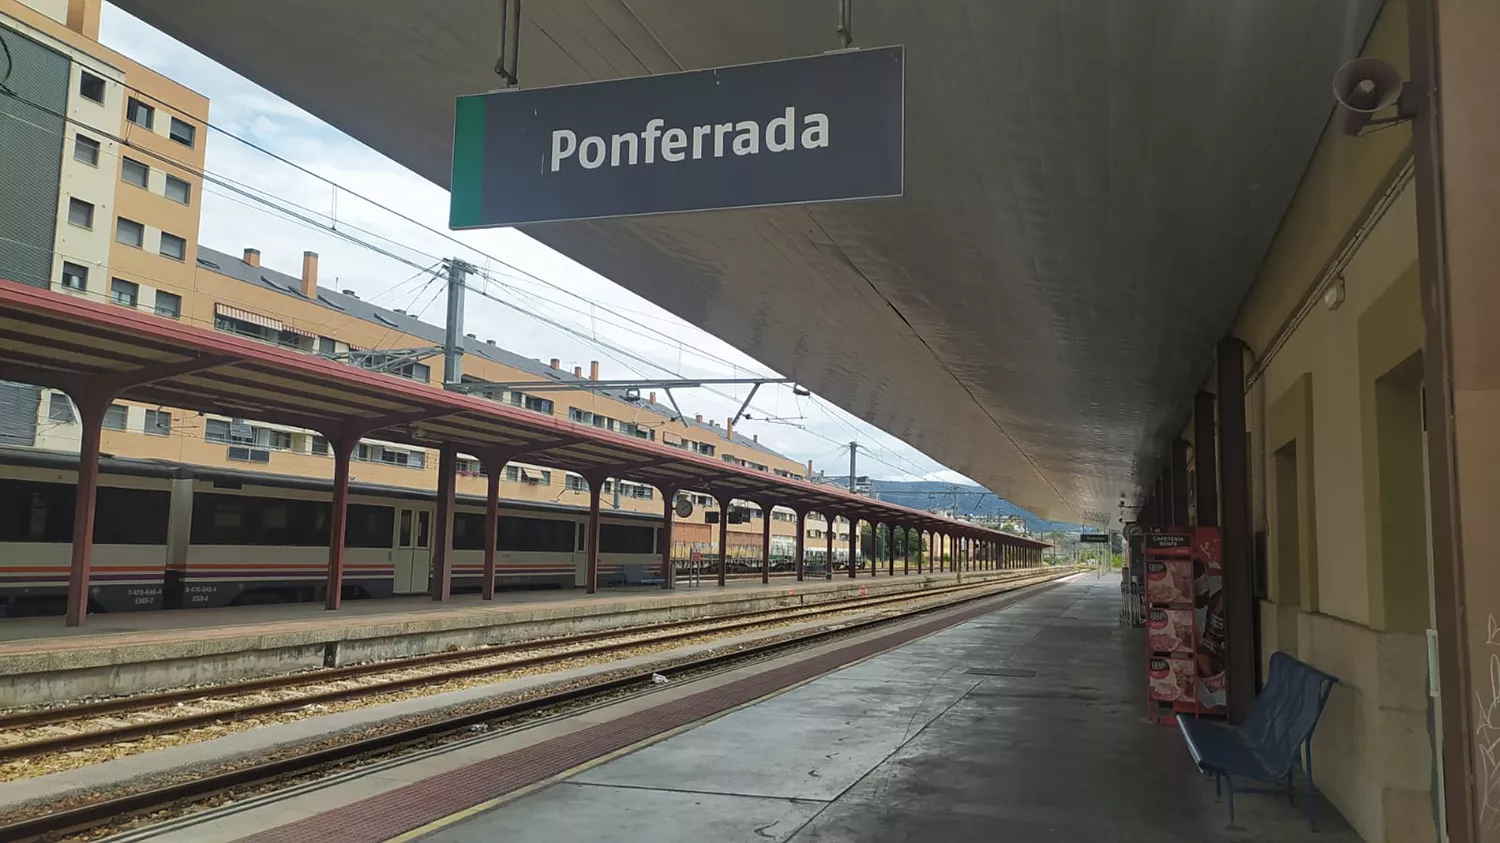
817	129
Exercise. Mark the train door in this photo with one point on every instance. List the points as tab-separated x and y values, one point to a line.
413	554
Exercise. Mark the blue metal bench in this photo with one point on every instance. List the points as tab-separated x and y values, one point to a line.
1265	747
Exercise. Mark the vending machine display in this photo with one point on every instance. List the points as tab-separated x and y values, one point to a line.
1185	621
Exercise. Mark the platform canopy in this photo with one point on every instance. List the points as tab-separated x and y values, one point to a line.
1090	187
89	348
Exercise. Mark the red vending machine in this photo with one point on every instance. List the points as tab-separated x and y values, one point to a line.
1184	596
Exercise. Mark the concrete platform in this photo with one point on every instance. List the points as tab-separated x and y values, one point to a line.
42	661
909	745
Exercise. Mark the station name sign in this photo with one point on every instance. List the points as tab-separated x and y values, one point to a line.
823	128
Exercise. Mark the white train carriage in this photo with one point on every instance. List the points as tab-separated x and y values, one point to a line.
169	536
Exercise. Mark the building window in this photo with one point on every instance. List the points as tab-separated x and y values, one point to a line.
114	417
168	305
80	213
75	276
531	402
123	292
129	232
158	422
327	347
178	190
60	408
182	131
86	149
576	484
319	446
90	87
134	172
216	430
139	113
173	246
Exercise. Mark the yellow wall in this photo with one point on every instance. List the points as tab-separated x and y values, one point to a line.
1330	409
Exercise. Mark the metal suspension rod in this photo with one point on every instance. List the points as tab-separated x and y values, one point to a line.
507	62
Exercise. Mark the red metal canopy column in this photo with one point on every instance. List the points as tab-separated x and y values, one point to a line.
801	535
853	543
591	536
828	534
342	448
91	409
723	538
874	548
493	469
440	583
906	550
668	514
890	544
765	543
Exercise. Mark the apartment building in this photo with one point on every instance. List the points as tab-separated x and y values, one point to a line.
103	160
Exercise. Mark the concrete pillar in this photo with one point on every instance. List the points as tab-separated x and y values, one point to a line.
1234	496
1455	135
491	526
91	409
342	446
1179	483
801	547
1205	460
440	582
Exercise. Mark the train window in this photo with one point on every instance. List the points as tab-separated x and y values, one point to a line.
624	538
256	521
43	512
405	540
538	535
131	516
424	525
468	531
35	512
370	526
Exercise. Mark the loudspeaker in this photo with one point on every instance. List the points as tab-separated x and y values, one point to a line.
1363	87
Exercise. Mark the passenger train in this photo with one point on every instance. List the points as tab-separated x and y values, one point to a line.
174	536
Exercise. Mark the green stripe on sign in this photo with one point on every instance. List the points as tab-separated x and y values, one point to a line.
466	191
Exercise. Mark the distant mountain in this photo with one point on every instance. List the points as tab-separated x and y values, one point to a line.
962	498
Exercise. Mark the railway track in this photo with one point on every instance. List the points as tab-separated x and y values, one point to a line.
418	672
112	811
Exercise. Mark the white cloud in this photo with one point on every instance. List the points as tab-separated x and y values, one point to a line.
231	222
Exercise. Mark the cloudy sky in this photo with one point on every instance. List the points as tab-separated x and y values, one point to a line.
541	303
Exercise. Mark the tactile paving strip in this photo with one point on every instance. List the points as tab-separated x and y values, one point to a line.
380	818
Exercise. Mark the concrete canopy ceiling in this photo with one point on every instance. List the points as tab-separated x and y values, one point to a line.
1090	186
